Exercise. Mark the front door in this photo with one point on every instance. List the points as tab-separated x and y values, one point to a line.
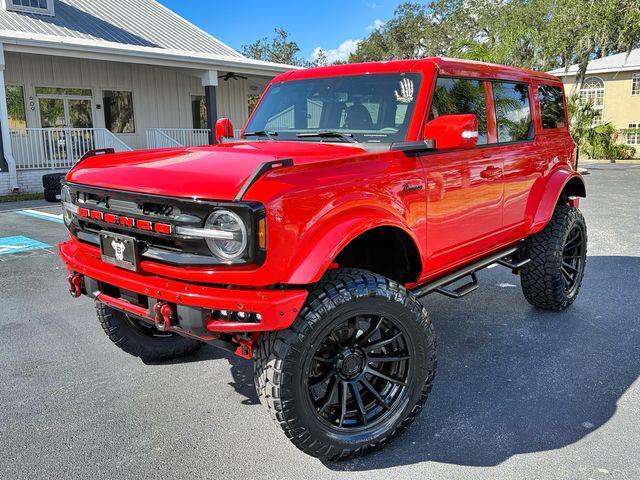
465	187
68	118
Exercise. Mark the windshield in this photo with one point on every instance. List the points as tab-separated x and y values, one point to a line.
364	108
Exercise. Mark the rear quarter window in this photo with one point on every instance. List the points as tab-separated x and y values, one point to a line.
551	107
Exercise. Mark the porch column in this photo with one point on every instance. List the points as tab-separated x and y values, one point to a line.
210	82
8	159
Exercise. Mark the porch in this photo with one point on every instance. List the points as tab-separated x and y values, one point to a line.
58	108
61	148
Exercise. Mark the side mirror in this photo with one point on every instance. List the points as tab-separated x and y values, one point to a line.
453	131
224	129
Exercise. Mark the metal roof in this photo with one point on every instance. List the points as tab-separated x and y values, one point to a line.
139	23
613	63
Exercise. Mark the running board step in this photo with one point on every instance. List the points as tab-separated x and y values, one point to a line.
462	290
504	257
514	263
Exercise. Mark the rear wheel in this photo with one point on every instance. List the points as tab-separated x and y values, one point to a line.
354	369
142	340
558	258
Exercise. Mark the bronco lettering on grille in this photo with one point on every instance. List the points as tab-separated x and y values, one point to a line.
130	222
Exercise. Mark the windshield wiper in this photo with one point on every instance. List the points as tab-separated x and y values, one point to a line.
347	137
261	133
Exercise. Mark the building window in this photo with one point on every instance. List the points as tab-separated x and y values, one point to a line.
513	114
118	111
551	106
42	7
199	111
633	135
635	84
62	91
592	91
16	106
461	95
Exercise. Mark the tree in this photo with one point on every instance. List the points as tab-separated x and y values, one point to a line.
280	49
536	34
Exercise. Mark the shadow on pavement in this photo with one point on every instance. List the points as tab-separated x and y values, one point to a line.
241	370
513	379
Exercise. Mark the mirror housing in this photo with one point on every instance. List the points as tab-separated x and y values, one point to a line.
224	129
459	131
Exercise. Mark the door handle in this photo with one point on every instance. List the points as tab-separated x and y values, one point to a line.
490	172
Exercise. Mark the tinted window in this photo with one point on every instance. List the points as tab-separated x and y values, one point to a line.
551	106
461	95
513	115
118	111
15	106
199	111
372	108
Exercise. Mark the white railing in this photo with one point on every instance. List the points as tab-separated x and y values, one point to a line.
52	148
177	137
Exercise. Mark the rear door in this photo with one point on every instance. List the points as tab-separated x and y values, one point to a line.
464	197
522	152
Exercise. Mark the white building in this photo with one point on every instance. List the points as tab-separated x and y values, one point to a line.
82	74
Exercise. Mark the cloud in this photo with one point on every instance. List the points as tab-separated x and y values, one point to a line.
377	25
372	5
341	53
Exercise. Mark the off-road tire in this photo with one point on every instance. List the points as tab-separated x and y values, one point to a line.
542	278
51	181
52	196
120	329
280	379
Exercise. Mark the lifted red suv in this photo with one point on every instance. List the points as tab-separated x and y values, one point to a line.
353	191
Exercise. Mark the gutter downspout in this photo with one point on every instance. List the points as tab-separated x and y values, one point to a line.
4	126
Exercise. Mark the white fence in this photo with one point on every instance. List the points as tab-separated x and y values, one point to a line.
176	137
54	148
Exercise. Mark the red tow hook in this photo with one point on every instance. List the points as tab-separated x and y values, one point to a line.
75	285
163	316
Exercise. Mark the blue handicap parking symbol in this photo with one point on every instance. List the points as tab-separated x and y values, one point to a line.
19	244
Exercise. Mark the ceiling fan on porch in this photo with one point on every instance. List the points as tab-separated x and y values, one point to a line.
229	75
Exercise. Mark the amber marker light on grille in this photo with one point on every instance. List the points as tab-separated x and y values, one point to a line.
262	234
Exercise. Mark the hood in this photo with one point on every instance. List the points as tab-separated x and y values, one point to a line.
215	172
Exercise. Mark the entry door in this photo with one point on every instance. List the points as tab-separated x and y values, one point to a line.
60	114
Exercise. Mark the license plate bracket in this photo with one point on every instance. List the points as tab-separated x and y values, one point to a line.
120	250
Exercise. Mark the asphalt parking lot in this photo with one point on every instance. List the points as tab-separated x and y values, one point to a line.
519	394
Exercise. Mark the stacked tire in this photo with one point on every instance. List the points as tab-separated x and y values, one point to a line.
52	186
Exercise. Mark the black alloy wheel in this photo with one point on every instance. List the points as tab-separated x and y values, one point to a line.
359	372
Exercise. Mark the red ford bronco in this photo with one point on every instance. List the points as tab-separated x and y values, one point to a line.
306	244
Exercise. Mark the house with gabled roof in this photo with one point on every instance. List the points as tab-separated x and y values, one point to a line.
77	75
612	86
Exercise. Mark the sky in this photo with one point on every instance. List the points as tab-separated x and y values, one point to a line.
335	26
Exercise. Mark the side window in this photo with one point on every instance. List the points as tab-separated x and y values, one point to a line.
551	106
461	95
513	114
118	111
16	106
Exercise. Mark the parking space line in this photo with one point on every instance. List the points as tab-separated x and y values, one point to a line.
19	244
42	215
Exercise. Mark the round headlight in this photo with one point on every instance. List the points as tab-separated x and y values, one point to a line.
232	240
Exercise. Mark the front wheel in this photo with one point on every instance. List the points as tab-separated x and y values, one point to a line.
142	340
552	279
354	369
